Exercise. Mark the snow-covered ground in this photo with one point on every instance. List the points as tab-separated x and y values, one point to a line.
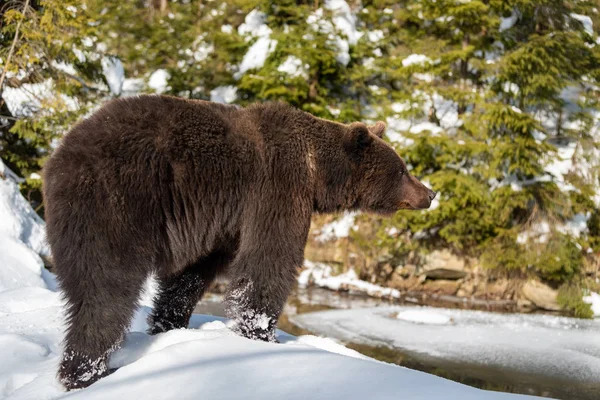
556	347
205	361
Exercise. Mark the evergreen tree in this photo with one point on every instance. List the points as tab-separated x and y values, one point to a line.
47	82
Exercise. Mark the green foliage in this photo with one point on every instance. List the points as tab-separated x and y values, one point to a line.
570	299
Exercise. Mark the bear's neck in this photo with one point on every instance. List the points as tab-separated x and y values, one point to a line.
333	169
328	164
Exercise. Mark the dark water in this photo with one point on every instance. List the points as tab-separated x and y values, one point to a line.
476	375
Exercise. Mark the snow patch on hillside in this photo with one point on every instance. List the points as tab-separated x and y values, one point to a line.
593	299
339	228
224	94
158	81
588	24
341	31
416	59
113	71
293	66
321	275
28	98
254	27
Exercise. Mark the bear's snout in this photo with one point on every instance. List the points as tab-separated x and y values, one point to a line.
416	196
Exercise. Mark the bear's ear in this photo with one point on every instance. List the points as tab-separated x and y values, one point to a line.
357	139
378	129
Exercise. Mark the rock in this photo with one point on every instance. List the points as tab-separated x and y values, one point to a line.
543	296
524	305
335	252
496	289
467	288
443	259
407	270
441	286
400	283
445	273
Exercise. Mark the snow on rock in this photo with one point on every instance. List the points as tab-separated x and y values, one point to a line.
586	21
224	94
293	66
337	229
113	71
424	316
254	26
593	299
22	237
321	275
554	347
158	80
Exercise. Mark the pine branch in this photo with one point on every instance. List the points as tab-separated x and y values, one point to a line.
12	46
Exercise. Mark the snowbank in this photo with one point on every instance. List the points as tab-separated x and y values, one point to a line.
22	237
209	361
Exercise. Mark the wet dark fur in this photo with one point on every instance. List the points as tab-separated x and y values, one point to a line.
190	189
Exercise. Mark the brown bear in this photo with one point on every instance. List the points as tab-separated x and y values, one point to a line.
190	189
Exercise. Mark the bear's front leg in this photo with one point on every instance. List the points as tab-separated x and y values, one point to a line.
263	275
255	308
255	301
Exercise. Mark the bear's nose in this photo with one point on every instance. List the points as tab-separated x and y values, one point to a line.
432	194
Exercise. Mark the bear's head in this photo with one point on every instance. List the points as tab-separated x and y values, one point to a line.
380	181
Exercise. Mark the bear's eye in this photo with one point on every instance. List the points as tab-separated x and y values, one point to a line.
401	172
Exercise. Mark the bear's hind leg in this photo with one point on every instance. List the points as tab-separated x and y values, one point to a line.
99	311
179	294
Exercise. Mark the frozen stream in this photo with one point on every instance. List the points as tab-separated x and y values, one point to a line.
561	353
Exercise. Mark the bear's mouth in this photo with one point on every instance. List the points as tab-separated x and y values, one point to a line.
405	205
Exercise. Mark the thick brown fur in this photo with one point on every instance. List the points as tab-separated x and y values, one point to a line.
190	189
